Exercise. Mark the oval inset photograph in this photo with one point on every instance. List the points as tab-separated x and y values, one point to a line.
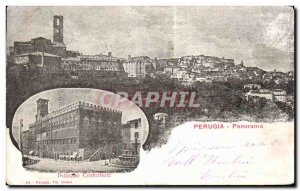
79	130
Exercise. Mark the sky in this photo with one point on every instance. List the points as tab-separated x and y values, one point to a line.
260	36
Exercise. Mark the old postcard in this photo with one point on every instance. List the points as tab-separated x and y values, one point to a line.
150	96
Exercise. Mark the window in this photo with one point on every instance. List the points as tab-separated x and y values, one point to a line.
136	135
57	21
136	125
57	31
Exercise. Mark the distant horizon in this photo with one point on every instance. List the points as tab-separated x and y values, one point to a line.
263	37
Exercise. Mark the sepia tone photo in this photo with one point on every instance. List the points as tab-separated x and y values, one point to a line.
107	89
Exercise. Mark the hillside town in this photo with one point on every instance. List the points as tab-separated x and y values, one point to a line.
44	56
228	90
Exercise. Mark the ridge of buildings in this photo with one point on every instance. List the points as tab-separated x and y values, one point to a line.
53	57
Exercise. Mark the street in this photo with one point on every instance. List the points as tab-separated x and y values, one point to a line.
72	166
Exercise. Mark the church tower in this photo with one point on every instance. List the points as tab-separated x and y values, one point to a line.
58	29
242	63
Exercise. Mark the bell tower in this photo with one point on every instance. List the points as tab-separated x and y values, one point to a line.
42	108
58	28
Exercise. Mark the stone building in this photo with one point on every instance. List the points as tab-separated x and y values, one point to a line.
41	44
276	95
95	66
132	134
101	62
132	137
252	86
135	69
161	118
262	93
280	95
79	128
40	62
